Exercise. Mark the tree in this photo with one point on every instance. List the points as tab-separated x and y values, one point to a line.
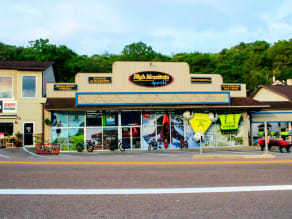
141	52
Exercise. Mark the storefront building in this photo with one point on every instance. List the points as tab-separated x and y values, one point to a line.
143	101
22	96
278	117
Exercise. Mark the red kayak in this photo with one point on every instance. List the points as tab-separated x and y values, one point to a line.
165	130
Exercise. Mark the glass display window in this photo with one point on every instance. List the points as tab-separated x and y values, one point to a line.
60	137
59	119
93	118
6	88
131	118
29	86
94	137
76	136
76	119
110	119
6	128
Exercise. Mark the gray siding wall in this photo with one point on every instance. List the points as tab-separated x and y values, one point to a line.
48	77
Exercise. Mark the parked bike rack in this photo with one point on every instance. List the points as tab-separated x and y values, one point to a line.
53	149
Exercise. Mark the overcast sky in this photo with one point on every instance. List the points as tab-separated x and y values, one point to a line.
169	26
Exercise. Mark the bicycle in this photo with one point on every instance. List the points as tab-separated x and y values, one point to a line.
119	145
89	146
152	144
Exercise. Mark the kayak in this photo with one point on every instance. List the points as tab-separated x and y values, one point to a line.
165	130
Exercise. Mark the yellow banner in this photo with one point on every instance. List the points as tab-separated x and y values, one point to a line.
200	122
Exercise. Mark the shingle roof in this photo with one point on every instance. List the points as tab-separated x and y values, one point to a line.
25	65
285	91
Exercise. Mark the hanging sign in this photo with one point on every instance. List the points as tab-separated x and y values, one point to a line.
231	87
200	122
229	121
65	87
9	107
201	80
99	80
151	79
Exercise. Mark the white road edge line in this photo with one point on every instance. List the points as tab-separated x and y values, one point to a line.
141	190
33	154
1	155
64	155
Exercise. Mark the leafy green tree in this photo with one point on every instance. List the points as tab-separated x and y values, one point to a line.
251	63
141	52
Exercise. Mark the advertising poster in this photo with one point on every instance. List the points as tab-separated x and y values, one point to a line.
9	107
94	137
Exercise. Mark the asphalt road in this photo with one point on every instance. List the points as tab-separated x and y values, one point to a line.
59	172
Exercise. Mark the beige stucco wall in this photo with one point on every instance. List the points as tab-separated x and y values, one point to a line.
266	95
28	109
270	116
123	70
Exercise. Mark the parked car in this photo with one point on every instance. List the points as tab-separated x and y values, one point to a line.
276	142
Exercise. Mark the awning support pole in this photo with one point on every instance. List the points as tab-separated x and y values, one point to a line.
266	137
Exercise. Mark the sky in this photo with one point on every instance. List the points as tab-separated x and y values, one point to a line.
168	26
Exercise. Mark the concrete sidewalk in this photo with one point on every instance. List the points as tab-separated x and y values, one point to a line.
228	152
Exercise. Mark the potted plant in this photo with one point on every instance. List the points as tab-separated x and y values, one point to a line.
18	140
47	121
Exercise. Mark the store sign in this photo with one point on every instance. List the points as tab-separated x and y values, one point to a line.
151	79
9	107
99	80
230	87
65	87
1	106
201	80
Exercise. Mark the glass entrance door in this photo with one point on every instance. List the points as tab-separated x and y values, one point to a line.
131	137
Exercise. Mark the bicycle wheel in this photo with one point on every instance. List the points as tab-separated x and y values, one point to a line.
90	148
122	146
155	145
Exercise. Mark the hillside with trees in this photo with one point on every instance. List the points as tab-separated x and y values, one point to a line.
251	63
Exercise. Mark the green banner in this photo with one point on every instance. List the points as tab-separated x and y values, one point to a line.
229	121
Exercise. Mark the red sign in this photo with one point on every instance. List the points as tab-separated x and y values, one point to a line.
146	115
9	106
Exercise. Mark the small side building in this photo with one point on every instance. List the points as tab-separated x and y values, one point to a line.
22	96
278	116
